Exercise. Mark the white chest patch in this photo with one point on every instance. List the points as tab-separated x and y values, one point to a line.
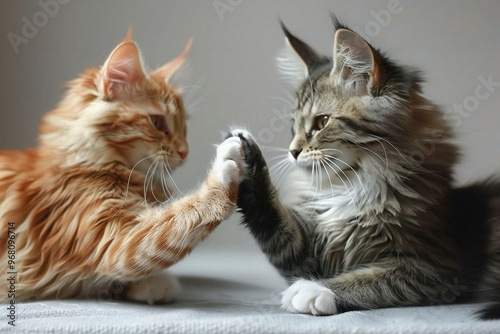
330	203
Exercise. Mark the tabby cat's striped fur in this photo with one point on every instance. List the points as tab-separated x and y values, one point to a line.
367	217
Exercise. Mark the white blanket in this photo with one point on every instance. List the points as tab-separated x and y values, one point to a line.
234	292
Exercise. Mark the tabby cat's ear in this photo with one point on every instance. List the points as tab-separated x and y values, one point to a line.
356	67
298	64
122	69
168	70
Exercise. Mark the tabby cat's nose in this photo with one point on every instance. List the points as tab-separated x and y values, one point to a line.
296	152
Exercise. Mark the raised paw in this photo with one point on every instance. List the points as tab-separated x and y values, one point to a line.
309	297
157	289
253	156
229	164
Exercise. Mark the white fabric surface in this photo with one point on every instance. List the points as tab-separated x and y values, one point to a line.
233	292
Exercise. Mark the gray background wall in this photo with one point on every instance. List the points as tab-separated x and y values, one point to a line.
456	43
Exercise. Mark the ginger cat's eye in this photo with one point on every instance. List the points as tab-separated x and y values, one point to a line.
159	123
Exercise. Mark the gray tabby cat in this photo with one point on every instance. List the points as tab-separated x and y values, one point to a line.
368	217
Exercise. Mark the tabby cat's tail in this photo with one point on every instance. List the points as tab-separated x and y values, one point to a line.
490	312
475	223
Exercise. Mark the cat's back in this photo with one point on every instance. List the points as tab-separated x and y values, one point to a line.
14	165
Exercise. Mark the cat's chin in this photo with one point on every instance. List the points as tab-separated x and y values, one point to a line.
173	166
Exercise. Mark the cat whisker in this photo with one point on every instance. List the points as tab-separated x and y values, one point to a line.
192	105
313	197
331	149
351	191
274	148
330	159
312	177
385	153
278	171
128	181
318	177
315	175
328	175
312	90
198	85
166	167
393	146
278	161
385	161
280	158
149	184
146	183
334	167
164	183
287	100
350	167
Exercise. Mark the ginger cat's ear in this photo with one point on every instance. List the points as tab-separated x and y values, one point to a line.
168	70
122	69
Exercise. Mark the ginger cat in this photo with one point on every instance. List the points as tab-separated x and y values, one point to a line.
87	213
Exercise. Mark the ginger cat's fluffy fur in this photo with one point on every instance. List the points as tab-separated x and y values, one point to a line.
90	204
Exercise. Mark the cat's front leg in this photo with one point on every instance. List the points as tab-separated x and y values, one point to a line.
163	235
378	285
310	297
276	228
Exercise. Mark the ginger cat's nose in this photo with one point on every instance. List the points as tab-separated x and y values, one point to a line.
183	150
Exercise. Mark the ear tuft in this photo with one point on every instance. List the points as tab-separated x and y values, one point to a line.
167	71
128	37
291	68
337	25
307	55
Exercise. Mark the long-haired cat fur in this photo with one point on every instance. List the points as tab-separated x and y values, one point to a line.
367	217
88	212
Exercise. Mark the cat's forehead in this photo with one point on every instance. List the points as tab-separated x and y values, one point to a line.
317	96
164	101
168	106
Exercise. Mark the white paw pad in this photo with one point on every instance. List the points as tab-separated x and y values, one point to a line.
309	297
229	164
156	289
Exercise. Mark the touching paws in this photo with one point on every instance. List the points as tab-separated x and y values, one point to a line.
157	289
230	164
254	160
309	297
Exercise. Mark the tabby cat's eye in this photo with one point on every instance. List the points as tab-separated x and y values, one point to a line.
320	122
159	123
